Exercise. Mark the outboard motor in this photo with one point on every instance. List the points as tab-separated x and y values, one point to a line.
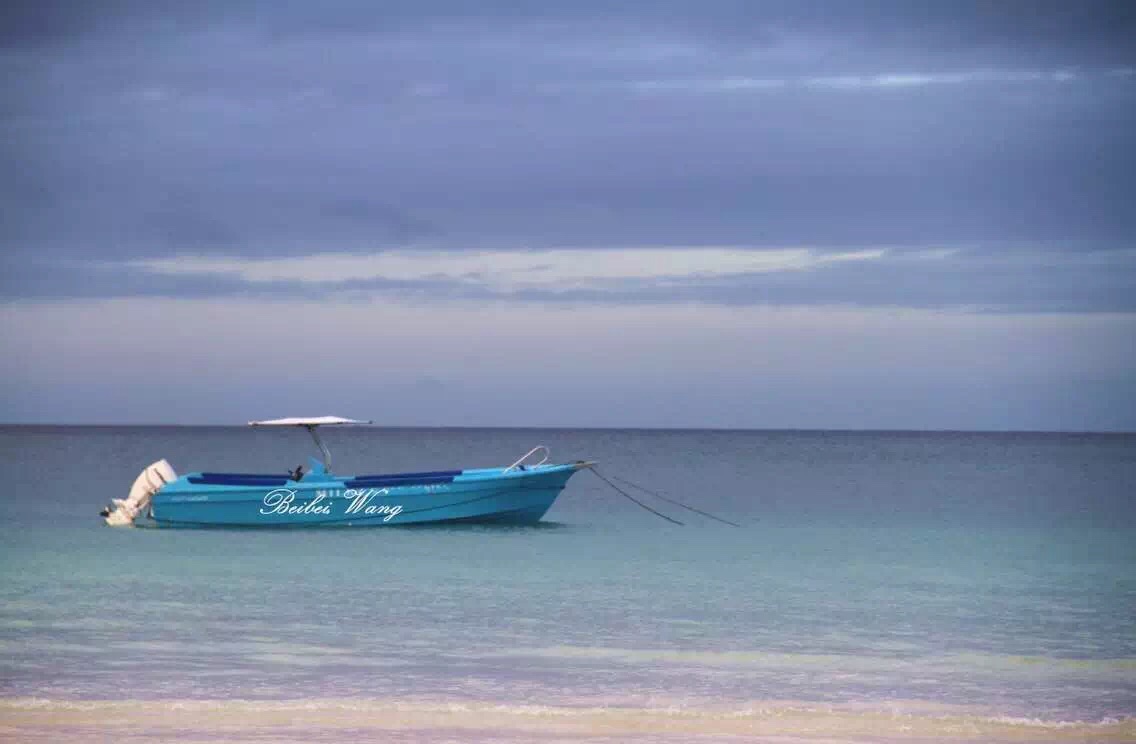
123	512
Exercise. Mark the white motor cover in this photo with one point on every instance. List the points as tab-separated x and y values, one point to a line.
123	512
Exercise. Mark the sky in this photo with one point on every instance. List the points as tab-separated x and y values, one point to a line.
863	215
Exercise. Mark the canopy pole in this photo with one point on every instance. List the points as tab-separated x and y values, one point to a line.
319	443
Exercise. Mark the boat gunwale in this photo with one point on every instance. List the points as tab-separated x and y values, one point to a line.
185	485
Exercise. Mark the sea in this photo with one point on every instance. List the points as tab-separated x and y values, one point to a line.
878	586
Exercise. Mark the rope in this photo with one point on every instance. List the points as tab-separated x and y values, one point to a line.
632	498
676	503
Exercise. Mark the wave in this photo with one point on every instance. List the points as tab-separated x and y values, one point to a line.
28	718
864	660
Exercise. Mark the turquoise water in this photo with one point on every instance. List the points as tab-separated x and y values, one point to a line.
989	575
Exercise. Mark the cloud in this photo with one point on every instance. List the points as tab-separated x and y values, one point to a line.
1007	280
1094	27
133	134
512	270
893	80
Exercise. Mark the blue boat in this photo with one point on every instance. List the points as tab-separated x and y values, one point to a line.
518	494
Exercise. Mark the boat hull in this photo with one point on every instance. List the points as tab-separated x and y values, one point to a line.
491	496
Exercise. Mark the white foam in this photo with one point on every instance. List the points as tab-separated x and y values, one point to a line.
896	717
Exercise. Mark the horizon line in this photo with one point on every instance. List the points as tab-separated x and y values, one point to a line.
546	427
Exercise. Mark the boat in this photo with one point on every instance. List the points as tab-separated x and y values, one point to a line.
520	493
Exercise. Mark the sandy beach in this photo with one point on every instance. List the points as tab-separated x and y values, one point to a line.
33	720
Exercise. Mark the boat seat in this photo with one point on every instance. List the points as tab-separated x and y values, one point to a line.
423	474
361	481
242	475
403	479
238	479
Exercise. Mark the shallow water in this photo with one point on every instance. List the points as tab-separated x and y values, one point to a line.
883	585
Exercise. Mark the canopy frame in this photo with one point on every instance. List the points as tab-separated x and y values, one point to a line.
312	424
322	447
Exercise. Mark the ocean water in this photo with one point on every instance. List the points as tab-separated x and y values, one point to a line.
882	586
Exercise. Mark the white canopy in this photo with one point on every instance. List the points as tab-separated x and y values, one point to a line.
313	421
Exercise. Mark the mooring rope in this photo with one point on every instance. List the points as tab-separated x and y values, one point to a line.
676	503
632	498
